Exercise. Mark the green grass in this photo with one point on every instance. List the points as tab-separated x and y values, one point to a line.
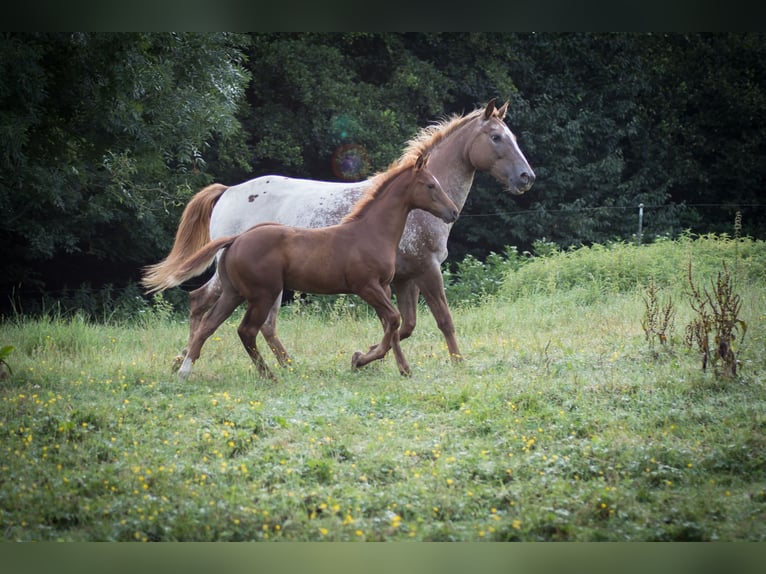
562	423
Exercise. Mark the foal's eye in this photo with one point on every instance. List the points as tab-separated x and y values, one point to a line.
496	137
431	186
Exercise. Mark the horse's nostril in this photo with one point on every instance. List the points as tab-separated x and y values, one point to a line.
527	179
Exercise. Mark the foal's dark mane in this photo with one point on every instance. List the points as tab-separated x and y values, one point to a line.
379	183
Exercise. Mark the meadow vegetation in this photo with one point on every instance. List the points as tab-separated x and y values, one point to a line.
564	422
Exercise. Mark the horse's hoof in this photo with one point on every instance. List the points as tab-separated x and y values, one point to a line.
405	372
355	360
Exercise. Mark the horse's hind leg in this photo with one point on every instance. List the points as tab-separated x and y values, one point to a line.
269	331
248	331
200	302
221	310
407	294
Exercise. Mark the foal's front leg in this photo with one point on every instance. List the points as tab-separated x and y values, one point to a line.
379	298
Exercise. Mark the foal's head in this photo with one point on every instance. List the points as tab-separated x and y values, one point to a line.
426	193
415	185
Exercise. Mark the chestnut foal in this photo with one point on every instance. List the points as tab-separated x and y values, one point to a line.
356	256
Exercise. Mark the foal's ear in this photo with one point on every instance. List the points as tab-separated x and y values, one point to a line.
421	162
490	109
502	110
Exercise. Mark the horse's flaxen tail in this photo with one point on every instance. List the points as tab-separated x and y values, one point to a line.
193	234
194	265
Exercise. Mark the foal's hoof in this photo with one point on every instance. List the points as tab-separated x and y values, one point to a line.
177	362
355	360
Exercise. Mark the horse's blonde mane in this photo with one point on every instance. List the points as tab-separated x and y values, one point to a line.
429	136
419	145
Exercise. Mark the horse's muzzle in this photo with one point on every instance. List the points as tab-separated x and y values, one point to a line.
522	183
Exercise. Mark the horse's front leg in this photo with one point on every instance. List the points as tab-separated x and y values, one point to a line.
431	285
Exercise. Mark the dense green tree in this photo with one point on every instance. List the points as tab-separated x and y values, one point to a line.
708	113
315	93
610	121
103	136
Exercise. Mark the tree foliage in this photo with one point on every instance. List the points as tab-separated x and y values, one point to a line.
105	137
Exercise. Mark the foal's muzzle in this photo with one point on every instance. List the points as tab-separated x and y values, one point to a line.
450	216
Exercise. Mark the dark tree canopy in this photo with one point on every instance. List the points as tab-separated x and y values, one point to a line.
105	137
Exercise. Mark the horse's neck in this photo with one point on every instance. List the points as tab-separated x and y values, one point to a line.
450	160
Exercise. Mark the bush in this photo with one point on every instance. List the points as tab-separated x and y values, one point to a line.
622	267
473	280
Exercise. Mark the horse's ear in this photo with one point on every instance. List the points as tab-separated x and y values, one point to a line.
502	110
420	163
490	109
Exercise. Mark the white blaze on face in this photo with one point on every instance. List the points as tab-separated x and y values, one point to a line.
514	142
516	148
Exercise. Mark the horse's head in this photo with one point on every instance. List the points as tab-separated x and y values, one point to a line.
494	149
427	193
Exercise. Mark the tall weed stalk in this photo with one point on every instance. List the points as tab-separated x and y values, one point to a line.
717	313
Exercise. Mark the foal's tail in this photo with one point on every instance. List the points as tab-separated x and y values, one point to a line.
193	265
193	233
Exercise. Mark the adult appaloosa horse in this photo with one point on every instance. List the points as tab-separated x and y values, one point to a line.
356	256
457	147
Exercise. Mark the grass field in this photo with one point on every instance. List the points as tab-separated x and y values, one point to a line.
562	423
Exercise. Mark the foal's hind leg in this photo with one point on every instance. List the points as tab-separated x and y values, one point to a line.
200	302
254	318
401	361
221	310
269	331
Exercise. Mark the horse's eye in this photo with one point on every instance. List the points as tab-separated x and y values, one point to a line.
431	186
496	137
